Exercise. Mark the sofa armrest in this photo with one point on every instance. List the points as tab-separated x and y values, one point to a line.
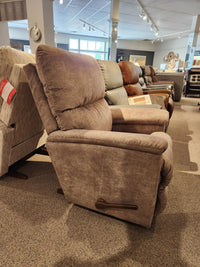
138	142
161	91
139	120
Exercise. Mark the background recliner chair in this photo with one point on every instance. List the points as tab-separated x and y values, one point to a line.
152	82
131	84
21	129
133	118
120	174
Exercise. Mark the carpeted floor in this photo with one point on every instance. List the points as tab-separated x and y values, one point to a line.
39	228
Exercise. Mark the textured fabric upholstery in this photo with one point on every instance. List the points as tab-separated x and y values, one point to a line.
73	110
40	99
91	164
22	126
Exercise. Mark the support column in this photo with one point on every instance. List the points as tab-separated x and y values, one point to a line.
114	29
192	42
40	19
4	38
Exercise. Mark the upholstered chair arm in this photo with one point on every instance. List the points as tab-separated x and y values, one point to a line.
103	171
135	121
162	91
160	86
138	142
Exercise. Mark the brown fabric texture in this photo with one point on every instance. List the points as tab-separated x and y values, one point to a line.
72	82
139	120
10	56
22	112
102	171
111	73
6	140
40	99
129	72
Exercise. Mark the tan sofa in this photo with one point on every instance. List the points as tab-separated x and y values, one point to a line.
21	129
116	173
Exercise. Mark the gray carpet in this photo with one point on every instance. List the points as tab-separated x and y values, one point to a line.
39	228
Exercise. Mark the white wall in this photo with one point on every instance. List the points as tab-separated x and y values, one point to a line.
20	34
4	36
136	45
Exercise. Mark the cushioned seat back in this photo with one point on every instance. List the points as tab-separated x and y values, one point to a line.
10	56
147	74
74	88
130	78
153	74
115	92
22	113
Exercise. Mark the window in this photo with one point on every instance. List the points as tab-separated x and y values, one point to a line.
73	43
93	48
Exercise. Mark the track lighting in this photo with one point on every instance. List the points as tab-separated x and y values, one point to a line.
145	16
91	27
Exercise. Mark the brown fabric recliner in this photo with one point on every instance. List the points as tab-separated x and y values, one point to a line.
131	83
90	160
21	129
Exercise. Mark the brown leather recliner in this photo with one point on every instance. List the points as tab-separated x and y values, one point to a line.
131	83
97	168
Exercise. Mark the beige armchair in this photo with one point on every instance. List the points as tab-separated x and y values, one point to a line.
116	173
21	129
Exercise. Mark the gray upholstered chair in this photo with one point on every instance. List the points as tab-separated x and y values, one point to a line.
120	174
21	129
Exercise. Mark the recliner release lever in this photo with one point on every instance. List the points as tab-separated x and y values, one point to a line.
102	204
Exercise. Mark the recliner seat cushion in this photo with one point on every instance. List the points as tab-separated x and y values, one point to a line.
117	96
75	91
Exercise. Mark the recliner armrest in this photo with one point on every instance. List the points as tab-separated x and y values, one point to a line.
139	120
139	142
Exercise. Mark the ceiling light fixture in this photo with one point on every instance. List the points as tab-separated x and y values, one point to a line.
92	27
60	2
145	16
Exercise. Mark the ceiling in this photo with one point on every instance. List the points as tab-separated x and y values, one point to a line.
172	17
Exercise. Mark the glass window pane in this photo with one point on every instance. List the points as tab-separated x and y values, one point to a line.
73	43
83	44
100	46
91	45
107	45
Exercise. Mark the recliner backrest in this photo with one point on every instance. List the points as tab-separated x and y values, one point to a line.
22	113
73	99
130	78
115	93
